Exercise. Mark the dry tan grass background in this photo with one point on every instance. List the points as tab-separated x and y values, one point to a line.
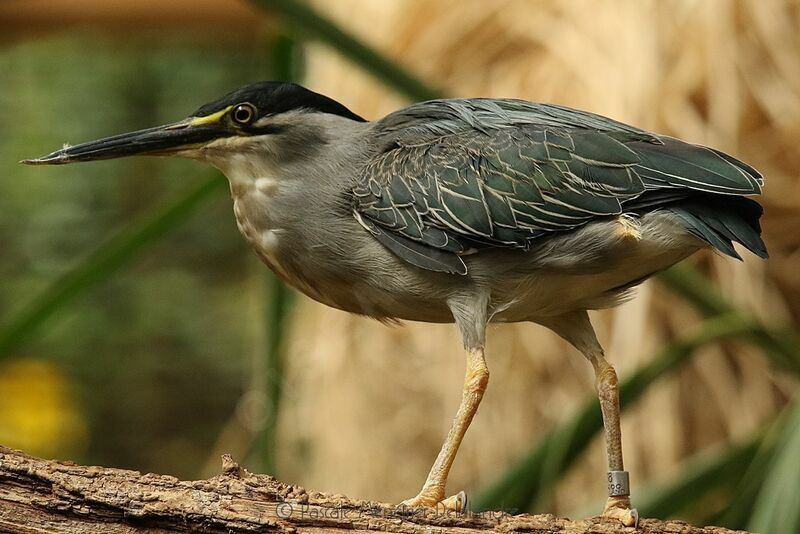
366	406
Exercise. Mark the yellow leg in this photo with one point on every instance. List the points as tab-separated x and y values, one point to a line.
618	505
576	328
433	491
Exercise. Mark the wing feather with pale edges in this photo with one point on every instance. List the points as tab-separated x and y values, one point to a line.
454	176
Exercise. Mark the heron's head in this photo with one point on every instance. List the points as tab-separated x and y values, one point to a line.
261	120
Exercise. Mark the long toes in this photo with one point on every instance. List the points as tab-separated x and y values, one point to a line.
620	509
456	503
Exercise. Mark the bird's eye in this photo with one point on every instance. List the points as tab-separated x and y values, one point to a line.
244	113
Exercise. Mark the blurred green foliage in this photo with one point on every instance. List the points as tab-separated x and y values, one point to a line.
173	370
171	374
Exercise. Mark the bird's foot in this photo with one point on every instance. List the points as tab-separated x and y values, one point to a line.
434	499
619	508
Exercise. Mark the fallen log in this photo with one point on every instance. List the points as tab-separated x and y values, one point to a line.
38	495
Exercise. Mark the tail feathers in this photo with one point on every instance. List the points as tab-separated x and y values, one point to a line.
722	221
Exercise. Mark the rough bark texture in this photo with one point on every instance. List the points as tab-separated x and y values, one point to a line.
61	497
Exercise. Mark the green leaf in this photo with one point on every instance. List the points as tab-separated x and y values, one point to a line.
743	496
536	473
698	478
777	509
108	259
781	345
303	17
287	63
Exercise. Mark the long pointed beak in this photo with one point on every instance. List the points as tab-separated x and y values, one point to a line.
161	140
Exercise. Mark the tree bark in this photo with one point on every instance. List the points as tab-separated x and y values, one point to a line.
39	496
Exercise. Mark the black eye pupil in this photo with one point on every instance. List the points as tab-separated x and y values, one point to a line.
243	114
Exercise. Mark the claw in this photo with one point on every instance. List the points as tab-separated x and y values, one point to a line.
456	503
619	508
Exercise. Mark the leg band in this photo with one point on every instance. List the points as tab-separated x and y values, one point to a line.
618	484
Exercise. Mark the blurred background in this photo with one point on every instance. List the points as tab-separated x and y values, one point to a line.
138	331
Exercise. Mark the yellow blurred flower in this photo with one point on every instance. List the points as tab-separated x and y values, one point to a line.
38	411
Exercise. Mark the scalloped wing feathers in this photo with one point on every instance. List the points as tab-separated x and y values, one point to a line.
459	174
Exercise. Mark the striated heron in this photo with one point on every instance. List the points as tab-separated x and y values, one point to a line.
464	211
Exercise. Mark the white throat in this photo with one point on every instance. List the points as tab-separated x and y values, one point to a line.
254	187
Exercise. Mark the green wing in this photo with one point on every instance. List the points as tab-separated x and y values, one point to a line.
455	175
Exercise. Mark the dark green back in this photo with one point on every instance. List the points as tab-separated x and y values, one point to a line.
460	174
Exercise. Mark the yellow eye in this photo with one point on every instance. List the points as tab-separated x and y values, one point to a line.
244	114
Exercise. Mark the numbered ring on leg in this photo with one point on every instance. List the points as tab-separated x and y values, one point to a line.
619	484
